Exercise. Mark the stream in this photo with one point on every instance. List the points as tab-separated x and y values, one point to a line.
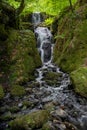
51	86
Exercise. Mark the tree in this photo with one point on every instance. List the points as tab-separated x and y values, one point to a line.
71	7
12	13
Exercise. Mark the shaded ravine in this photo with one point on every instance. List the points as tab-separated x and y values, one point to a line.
63	93
51	88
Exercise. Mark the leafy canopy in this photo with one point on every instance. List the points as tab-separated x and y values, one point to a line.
52	7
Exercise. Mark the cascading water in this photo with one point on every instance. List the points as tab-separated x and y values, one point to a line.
61	93
36	18
50	91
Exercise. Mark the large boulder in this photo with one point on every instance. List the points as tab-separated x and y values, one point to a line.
47	50
24	57
33	120
79	80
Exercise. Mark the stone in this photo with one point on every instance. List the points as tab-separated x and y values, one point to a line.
20	105
33	120
61	113
83	122
79	80
47	50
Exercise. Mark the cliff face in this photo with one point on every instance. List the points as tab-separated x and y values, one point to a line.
70	51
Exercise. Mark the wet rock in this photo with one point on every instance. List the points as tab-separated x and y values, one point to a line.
84	122
6	116
28	90
14	109
20	105
49	106
4	109
17	90
48	126
33	120
53	75
28	104
79	80
7	96
70	126
47	50
34	84
59	125
60	113
53	78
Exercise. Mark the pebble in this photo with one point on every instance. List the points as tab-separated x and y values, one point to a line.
20	105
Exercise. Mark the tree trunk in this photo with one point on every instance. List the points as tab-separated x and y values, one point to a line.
71	7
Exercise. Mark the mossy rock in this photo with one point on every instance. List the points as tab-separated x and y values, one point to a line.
6	116
27	25
52	78
14	109
33	120
28	104
79	80
1	92
47	126
53	75
71	43
24	56
17	90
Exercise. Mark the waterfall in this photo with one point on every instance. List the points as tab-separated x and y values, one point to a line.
44	39
36	18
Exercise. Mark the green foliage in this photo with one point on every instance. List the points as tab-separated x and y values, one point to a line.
52	7
13	3
49	21
59	36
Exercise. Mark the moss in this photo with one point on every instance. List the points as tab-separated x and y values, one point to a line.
17	90
28	104
26	25
52	75
1	92
70	50
14	109
24	57
47	126
7	116
32	120
51	78
3	32
79	80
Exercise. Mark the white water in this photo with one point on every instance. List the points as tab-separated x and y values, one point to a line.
61	93
36	18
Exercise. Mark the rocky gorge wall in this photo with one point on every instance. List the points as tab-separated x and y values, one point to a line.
70	51
18	56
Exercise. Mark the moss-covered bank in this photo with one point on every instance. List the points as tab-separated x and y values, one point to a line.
70	51
24	57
